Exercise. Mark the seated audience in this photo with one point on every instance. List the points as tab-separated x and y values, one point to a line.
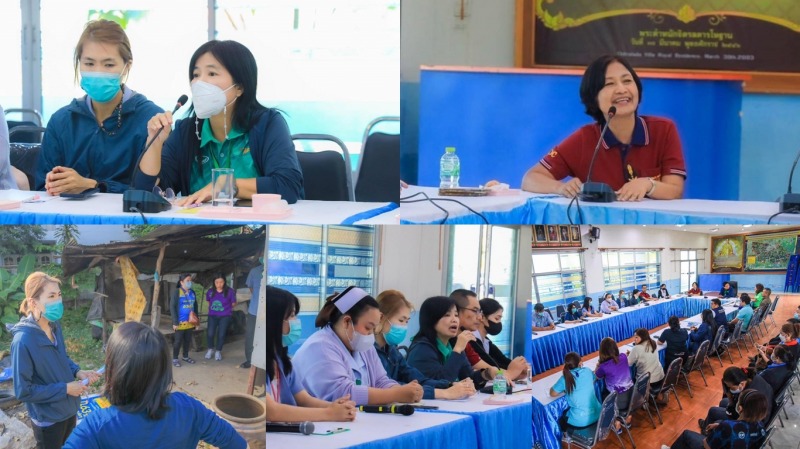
572	315
727	291
759	296
675	337
613	367
644	293
745	314
746	432
578	384
779	369
734	381
343	349
644	356
662	292
491	324
695	290
608	305
704	332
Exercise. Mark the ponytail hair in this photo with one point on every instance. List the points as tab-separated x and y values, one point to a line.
571	361
329	315
34	285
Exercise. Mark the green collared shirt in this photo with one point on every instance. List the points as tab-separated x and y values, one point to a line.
232	153
445	350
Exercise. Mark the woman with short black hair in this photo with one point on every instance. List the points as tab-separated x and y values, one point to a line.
144	412
221	300
182	304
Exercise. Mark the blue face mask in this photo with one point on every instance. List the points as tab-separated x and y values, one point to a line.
100	86
295	329
396	335
54	311
188	285
261	260
797	316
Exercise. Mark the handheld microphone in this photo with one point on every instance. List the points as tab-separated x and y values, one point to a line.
790	202
403	409
599	192
306	428
141	200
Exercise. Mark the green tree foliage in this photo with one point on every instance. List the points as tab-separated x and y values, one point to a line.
20	239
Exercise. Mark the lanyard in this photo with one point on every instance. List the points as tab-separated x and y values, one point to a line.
275	386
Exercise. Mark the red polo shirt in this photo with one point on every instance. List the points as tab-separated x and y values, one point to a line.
655	151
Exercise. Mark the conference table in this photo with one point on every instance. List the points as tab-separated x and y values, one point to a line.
385	431
106	208
548	348
547	409
519	207
496	426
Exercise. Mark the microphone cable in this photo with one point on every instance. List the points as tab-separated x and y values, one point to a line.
792	210
408	199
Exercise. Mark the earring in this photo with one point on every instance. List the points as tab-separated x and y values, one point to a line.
197	127
225	120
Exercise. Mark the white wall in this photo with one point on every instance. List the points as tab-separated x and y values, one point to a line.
432	34
640	237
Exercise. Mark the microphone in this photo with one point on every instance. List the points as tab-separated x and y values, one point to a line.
403	409
599	192
143	201
306	428
790	202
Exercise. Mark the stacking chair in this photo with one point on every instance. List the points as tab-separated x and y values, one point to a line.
639	395
772	308
588	437
763	311
765	444
327	174
378	173
25	135
549	312
25	157
403	349
668	386
751	329
560	310
780	403
716	345
732	338
696	365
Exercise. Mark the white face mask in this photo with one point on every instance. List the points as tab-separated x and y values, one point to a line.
208	100
361	342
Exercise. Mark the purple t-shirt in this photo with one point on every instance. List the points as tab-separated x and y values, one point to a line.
220	304
617	375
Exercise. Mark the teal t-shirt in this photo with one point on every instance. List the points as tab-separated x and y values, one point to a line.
745	314
584	408
233	153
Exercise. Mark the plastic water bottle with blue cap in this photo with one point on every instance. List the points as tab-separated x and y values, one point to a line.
449	169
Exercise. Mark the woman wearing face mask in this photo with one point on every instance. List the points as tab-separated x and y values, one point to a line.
734	381
787	337
396	312
226	128
291	401
608	305
491	324
644	356
44	375
662	292
588	309
340	359
431	351
221	300
779	367
182	303
572	315
745	432
95	140
641	156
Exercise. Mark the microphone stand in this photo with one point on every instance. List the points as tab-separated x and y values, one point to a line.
599	192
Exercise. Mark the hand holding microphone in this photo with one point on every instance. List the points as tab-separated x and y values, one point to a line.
159	122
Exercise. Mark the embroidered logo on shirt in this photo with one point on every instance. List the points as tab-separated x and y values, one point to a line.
246	150
201	160
553	153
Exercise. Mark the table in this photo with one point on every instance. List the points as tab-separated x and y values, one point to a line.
529	208
547	409
106	208
378	431
496	426
548	348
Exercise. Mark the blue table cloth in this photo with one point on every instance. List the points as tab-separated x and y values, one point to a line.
459	434
501	427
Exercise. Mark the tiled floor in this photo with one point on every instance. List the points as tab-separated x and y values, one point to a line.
676	420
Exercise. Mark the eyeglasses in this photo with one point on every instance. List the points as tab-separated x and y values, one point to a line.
476	310
168	194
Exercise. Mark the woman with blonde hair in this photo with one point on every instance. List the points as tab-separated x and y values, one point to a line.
94	141
396	311
44	375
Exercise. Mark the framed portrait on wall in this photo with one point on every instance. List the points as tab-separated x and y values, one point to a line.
575	233
727	254
539	236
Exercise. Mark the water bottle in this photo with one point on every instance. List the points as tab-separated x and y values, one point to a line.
499	385
449	169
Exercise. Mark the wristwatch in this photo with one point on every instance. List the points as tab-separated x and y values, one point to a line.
652	187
